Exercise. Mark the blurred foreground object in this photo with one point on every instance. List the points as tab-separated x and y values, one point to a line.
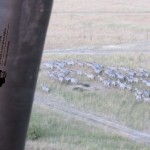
22	34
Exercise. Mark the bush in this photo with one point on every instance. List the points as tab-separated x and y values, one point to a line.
34	132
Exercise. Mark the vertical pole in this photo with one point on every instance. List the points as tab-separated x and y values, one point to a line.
23	29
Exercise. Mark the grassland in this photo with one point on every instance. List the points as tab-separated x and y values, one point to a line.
94	23
114	104
51	130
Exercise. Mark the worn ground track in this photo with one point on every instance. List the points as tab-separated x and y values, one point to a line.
90	117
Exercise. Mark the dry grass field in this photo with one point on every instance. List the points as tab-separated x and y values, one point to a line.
93	23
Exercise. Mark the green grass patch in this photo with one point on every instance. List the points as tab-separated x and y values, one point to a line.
67	133
113	104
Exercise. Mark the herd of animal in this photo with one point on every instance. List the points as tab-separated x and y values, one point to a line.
69	71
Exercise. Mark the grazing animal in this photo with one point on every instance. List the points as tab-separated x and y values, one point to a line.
45	88
146	99
61	79
107	83
129	87
90	76
74	81
138	98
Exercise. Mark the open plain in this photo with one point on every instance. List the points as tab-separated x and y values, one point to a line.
93	89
